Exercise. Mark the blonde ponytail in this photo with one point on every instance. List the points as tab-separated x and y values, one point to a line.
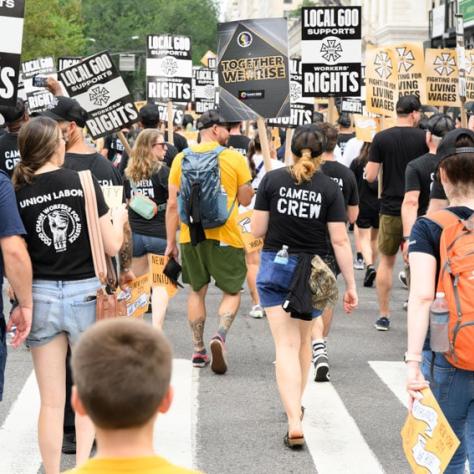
306	166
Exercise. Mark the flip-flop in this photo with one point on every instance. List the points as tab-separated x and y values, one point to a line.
293	443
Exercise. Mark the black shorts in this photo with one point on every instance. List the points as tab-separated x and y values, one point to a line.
368	218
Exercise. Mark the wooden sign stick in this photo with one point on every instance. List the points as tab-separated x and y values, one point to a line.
170	122
288	153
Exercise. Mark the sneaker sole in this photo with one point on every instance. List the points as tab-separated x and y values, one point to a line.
322	373
218	363
259	316
200	365
381	328
370	281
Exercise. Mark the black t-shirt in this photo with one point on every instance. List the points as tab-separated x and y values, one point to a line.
368	192
239	143
345	178
156	188
437	191
299	213
395	148
419	176
53	211
114	148
180	142
100	167
9	154
342	139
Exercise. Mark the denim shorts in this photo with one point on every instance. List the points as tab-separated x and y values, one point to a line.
274	280
62	306
3	353
143	244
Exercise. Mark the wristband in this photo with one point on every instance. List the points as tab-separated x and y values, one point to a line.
412	357
406	238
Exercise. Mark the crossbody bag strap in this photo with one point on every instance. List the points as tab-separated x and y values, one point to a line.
219	149
93	226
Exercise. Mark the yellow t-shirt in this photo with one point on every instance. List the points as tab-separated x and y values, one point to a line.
234	173
145	465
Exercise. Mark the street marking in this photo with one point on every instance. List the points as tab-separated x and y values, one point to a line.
19	433
332	436
393	374
175	431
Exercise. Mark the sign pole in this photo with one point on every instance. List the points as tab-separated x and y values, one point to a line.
262	132
288	154
332	111
462	65
170	122
380	177
125	143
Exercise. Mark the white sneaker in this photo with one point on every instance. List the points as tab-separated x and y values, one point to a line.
256	312
359	264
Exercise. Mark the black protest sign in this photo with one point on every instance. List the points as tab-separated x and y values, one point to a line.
68	61
97	85
178	112
352	106
11	26
169	68
204	89
253	69
39	98
331	51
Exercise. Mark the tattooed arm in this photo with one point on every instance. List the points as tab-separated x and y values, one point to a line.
125	256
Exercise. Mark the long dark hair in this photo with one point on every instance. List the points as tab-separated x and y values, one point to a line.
363	157
255	146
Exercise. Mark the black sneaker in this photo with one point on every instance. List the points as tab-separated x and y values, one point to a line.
382	324
321	368
369	278
69	443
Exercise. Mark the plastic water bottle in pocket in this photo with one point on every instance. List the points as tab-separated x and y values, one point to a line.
282	256
439	324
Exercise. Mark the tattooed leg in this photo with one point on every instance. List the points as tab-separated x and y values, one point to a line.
197	329
197	317
227	313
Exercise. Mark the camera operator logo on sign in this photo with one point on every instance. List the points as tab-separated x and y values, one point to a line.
245	39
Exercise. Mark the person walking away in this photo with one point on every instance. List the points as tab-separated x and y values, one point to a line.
368	219
237	140
393	149
295	210
52	207
211	245
147	175
440	310
345	132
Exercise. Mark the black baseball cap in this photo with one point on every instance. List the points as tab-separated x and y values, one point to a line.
344	120
447	146
440	124
210	118
408	104
65	109
469	108
149	115
12	113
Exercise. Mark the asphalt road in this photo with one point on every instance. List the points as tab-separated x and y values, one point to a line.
238	422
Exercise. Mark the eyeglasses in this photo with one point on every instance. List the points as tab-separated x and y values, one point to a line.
162	144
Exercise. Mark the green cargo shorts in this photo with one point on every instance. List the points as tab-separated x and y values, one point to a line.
208	259
390	234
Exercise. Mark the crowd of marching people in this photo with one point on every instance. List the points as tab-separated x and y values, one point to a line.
408	191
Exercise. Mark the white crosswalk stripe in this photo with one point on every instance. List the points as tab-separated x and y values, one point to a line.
392	374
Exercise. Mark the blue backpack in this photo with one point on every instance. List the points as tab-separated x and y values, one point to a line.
202	199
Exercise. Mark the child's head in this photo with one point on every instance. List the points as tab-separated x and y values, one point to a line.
121	370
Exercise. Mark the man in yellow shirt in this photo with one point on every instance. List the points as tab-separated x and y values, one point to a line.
122	372
211	252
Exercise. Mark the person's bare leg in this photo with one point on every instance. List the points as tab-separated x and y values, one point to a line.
159	305
85	433
305	352
327	316
227	312
357	243
197	317
366	246
253	261
287	338
317	330
49	362
374	233
383	282
140	265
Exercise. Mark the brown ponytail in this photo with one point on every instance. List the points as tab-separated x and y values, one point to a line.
38	140
307	147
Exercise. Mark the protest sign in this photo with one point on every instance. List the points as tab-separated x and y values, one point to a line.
39	98
68	61
178	112
205	89
251	243
253	69
157	277
366	127
209	59
429	442
331	51
381	80
441	71
411	70
352	106
97	85
11	26
301	108
169	68
113	196
138	299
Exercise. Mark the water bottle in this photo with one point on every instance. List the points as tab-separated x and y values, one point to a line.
282	256
439	317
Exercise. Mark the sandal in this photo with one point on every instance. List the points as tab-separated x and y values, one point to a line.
293	443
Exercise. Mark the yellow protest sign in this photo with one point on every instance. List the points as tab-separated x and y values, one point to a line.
366	127
441	69
157	277
469	55
381	80
113	195
208	55
411	70
139	296
140	103
251	243
428	441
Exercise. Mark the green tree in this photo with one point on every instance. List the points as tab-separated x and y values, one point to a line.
53	28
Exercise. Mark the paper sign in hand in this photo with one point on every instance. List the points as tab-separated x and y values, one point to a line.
251	243
426	414
245	225
425	458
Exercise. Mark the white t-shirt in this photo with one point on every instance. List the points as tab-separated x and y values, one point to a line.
351	151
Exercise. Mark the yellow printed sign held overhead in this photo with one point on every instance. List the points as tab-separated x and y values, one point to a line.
205	59
157	263
411	70
469	55
429	442
251	243
366	127
441	69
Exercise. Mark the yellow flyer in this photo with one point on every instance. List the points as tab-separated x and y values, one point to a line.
429	442
113	195
139	296
157	277
251	243
441	69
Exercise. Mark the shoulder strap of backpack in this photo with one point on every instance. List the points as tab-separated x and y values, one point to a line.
444	218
